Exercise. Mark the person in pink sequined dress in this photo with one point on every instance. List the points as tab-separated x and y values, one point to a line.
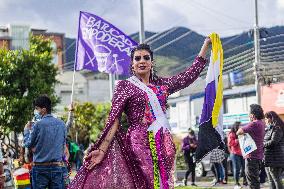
137	158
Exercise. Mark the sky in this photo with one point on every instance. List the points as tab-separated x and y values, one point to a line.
226	17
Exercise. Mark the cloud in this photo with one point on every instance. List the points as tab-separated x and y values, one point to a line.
280	4
204	16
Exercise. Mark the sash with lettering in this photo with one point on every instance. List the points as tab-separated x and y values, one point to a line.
101	46
210	135
160	125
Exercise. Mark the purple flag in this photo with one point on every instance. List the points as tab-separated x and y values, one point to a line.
101	46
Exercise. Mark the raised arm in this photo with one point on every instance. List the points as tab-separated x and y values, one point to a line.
184	79
70	117
30	135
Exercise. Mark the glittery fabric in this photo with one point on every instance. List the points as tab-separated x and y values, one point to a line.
164	174
128	162
156	171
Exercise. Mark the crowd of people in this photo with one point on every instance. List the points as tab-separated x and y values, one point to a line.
266	130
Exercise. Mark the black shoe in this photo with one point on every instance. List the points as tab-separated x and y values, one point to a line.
185	182
193	184
237	184
215	183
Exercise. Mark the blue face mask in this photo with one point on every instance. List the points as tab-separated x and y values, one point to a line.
37	115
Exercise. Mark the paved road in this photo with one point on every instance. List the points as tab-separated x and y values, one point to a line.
225	186
204	182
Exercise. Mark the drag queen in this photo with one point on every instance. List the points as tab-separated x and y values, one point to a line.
143	156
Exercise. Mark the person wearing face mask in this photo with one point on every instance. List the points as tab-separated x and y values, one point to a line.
47	138
274	149
143	156
253	160
29	151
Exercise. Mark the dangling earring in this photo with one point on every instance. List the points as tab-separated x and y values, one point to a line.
152	74
132	70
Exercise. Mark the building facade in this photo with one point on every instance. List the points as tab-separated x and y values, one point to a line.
14	37
186	106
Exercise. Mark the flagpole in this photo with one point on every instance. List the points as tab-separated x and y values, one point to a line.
73	83
111	84
141	31
75	62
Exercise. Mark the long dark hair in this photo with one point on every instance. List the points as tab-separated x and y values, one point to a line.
146	47
275	119
236	126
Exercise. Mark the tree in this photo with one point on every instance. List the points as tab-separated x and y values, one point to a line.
24	75
90	120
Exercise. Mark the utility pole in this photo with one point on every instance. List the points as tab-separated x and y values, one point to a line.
111	78
141	31
256	54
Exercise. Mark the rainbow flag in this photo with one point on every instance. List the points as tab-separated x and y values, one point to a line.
22	179
210	133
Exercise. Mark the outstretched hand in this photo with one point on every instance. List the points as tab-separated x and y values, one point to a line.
204	47
207	40
95	157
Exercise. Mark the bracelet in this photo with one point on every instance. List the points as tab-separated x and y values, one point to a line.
102	150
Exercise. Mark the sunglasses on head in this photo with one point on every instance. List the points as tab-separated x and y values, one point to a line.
145	57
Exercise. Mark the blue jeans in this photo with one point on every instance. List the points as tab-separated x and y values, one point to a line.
50	177
237	164
219	171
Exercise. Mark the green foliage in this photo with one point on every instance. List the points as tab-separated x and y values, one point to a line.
24	75
90	120
101	115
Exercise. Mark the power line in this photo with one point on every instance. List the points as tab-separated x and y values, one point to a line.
233	57
272	37
170	42
191	58
272	44
235	65
155	35
73	43
167	33
272	48
219	13
272	53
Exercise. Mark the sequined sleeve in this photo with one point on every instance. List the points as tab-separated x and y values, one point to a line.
118	103
184	79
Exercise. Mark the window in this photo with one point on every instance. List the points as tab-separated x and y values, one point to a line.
54	53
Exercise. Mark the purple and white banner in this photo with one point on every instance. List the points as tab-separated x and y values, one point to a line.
101	46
